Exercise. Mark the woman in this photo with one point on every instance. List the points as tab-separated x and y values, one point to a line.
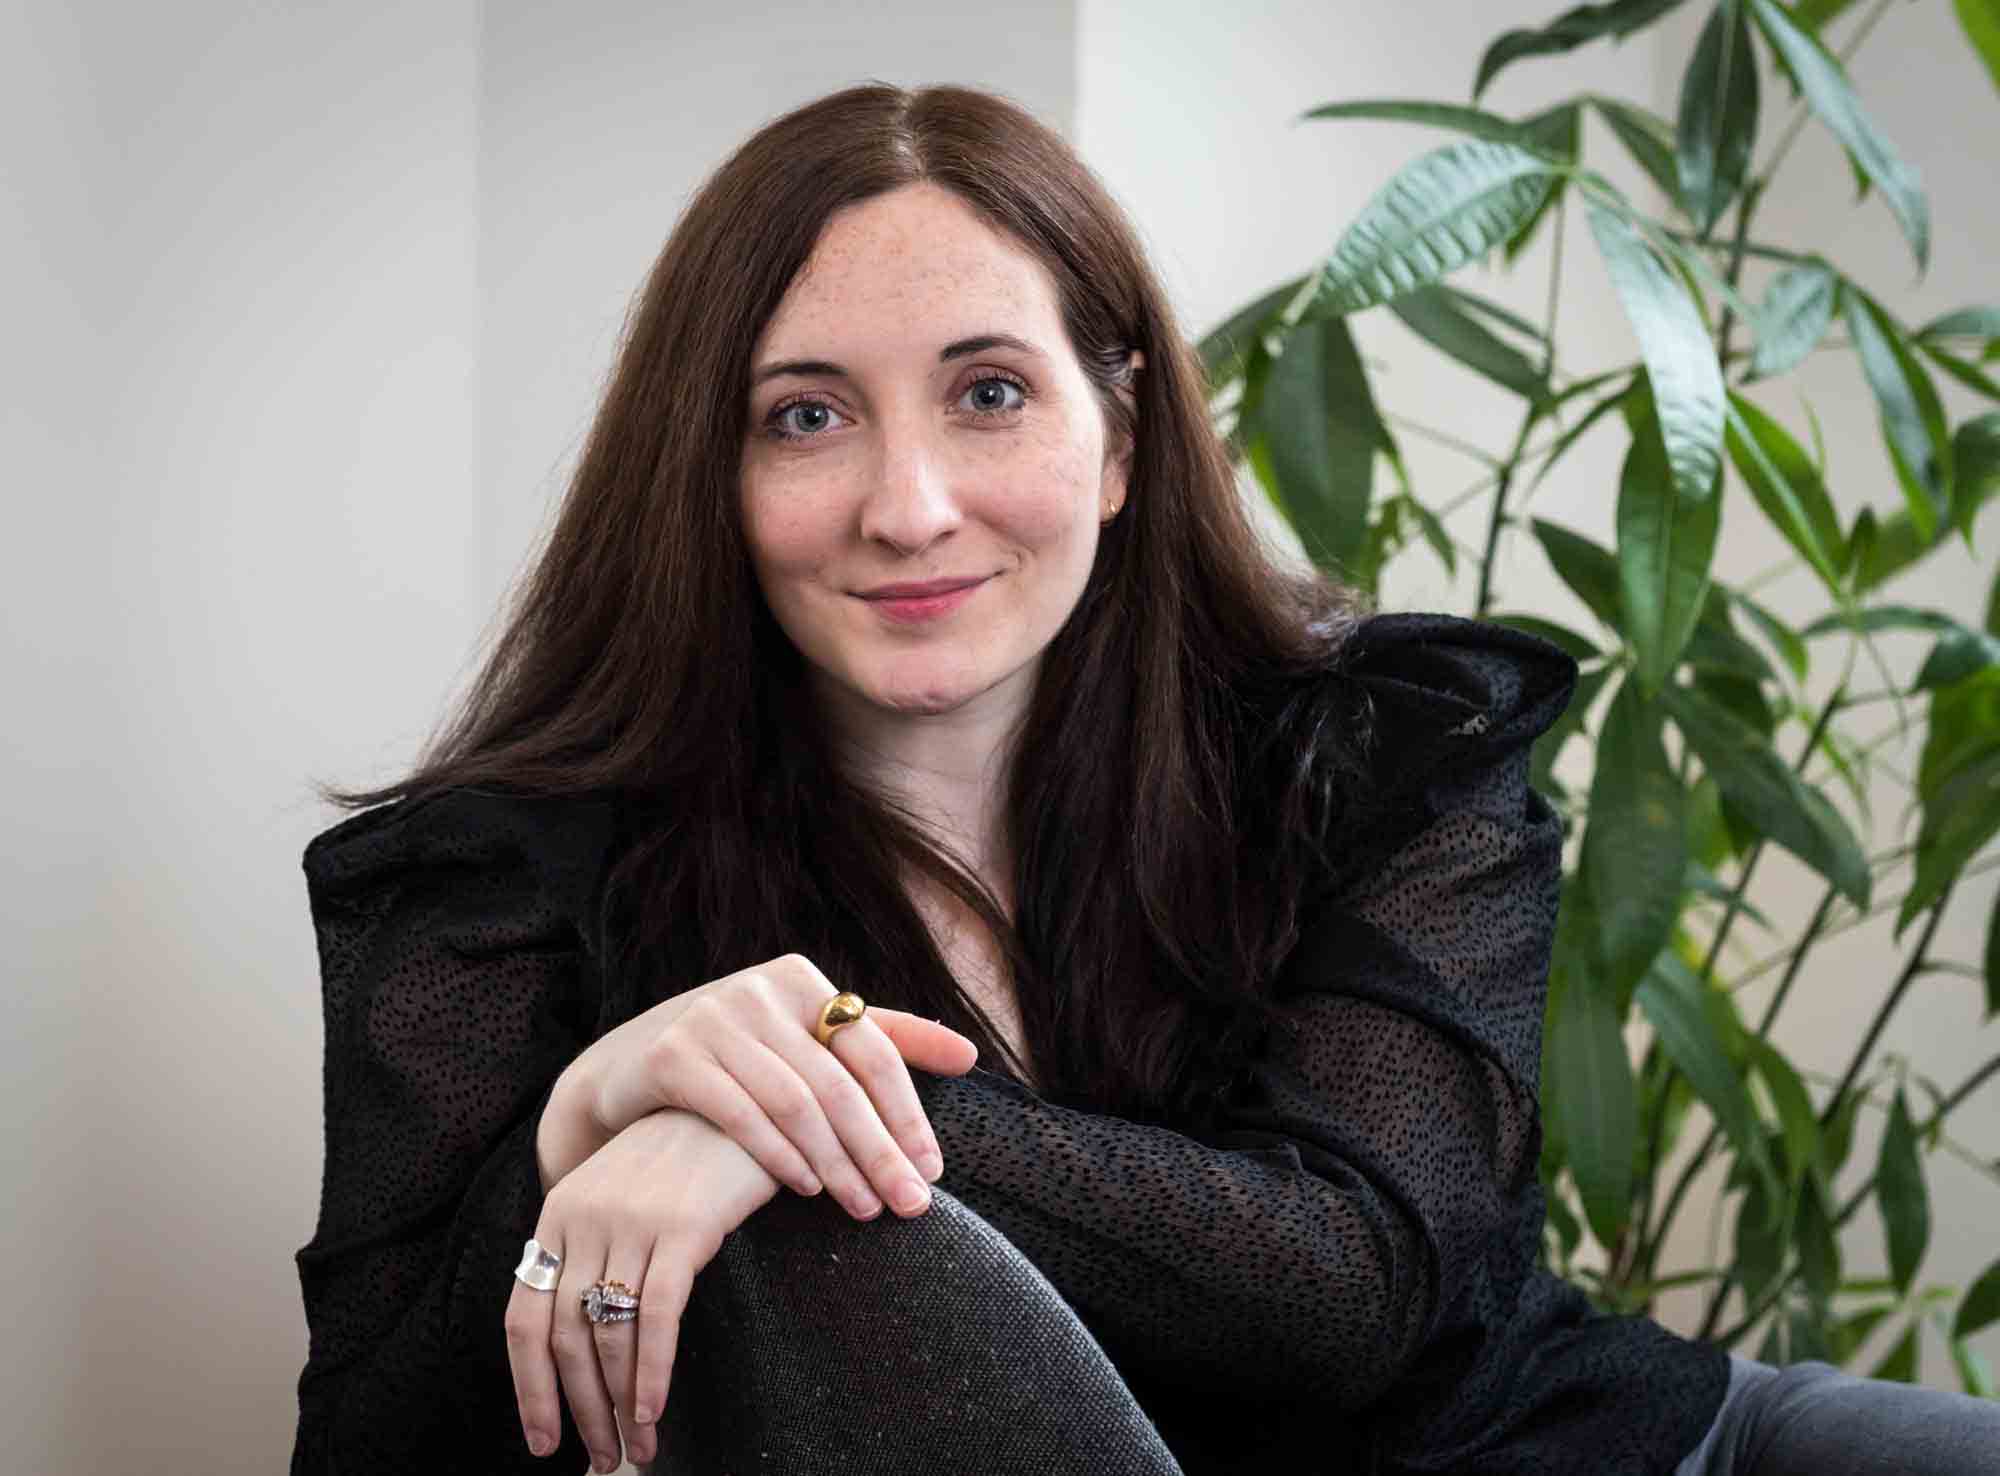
902	634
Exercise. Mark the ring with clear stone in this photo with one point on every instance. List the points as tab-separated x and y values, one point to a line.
610	1301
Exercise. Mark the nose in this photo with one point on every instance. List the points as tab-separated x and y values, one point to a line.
911	504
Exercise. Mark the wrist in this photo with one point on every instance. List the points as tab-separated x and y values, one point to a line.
568	1132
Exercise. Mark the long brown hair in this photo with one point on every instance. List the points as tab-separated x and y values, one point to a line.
1178	769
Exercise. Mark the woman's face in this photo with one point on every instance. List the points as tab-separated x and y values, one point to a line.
917	418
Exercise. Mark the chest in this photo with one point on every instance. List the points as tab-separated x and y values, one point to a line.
974	958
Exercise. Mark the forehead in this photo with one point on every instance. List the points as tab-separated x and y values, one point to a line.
918	260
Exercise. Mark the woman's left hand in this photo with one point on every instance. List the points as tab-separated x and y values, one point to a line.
650	1208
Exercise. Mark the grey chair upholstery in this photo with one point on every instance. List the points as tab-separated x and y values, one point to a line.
814	1343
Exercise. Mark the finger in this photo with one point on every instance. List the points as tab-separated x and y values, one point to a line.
617	1350
792	1104
527	1323
871	1058
855	1118
709	1089
924	1044
575	1346
663	1301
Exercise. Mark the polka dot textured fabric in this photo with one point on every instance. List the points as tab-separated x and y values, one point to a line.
1333	1270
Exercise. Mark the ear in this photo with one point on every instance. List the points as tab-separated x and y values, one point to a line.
1118	460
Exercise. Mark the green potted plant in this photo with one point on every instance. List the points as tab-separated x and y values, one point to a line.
1704	747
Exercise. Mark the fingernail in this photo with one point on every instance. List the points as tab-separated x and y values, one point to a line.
869	1205
932	1163
539	1443
603	1462
911	1196
642	1416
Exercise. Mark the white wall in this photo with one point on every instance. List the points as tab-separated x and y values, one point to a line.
307	308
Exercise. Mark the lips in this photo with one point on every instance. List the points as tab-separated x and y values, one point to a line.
925	590
917	604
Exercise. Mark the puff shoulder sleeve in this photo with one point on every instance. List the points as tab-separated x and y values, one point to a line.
1309	1242
456	987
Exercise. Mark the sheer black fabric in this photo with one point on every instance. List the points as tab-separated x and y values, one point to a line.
1332	1269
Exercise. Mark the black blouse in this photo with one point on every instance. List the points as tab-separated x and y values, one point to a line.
1335	1268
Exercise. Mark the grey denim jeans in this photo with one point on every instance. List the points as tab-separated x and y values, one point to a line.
1810	1419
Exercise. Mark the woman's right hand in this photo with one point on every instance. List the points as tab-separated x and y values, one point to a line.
740	1052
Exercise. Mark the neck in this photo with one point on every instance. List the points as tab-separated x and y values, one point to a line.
949	769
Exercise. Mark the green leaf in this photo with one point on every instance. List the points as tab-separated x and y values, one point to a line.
1957	655
1541	768
1701	880
1981	1307
1786	486
1566	32
1796	1118
1315	439
1881	553
1972	322
1819	1252
1438	213
1900	1366
1473	121
1993	960
1814	14
1974	1371
1671	998
1718	116
1881	617
1555	134
1959	819
1506	317
1585	567
1838	1141
1635	844
1913	420
1760	1246
1756	781
1665	544
1832	99
1975	466
1434	317
1680	358
1783	639
1593	1090
1793	317
1224	350
1965	372
1851	1332
1648	139
1904	1196
1715	645
1980	19
1577	647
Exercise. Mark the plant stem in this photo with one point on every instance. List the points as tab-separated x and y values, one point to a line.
1648	1251
1483	600
1848	1210
1875	1026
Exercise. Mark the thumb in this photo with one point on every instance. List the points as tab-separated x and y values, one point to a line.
925	1044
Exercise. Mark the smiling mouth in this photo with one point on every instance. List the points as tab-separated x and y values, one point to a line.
929	601
928	589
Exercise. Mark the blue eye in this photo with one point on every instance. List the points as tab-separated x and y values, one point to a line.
816	416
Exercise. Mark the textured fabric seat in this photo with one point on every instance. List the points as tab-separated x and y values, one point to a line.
817	1343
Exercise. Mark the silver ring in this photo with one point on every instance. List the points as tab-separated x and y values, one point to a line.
538	1268
609	1301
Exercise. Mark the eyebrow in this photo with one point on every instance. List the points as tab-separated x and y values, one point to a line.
956	350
